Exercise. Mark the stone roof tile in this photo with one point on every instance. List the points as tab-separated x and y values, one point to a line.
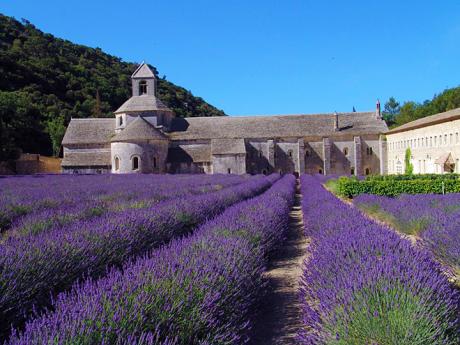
89	131
92	158
227	146
142	103
197	153
143	71
139	129
279	126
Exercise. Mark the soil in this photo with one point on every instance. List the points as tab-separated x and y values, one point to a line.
279	316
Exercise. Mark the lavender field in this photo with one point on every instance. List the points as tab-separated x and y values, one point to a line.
364	284
182	259
434	220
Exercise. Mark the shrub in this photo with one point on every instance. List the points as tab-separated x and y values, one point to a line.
351	187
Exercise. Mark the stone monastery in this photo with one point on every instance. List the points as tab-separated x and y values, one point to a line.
146	137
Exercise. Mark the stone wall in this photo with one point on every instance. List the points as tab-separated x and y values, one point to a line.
287	157
257	157
151	156
229	164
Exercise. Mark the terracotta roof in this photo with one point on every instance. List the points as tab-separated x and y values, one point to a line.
93	158
450	115
190	153
446	158
143	71
139	129
89	131
228	127
227	146
142	103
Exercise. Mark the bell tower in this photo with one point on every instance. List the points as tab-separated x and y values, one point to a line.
143	81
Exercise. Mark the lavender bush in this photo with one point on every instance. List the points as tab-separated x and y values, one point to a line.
363	284
26	200
196	290
33	269
435	218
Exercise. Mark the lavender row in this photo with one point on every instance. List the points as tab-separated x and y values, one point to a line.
196	290
435	218
131	195
363	284
31	196
31	271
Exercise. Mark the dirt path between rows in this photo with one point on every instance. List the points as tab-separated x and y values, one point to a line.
279	317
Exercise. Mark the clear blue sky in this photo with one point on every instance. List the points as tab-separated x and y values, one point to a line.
272	57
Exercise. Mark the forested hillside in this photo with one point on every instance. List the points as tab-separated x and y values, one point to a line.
44	81
396	114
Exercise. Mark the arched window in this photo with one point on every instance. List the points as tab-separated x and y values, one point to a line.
352	171
264	171
368	171
120	121
320	171
135	161
290	153
142	87
117	163
307	153
154	162
229	171
345	151
369	151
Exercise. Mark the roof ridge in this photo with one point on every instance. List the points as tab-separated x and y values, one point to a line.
92	118
280	115
138	68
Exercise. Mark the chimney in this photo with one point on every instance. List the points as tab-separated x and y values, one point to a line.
378	114
336	121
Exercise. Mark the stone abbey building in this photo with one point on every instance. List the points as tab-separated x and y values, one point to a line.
146	137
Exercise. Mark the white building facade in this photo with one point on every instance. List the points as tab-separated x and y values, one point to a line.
434	143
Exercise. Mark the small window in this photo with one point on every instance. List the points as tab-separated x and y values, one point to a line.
264	171
290	153
307	153
229	171
456	138
320	171
369	151
142	87
345	151
154	162
117	163
260	154
135	163
368	171
120	121
352	171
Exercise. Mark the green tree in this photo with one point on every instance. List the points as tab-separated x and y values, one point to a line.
19	124
97	112
408	167
56	130
391	110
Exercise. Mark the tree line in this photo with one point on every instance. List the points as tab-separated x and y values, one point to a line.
397	114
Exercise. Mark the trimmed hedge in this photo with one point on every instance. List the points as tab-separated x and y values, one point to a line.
413	177
350	187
